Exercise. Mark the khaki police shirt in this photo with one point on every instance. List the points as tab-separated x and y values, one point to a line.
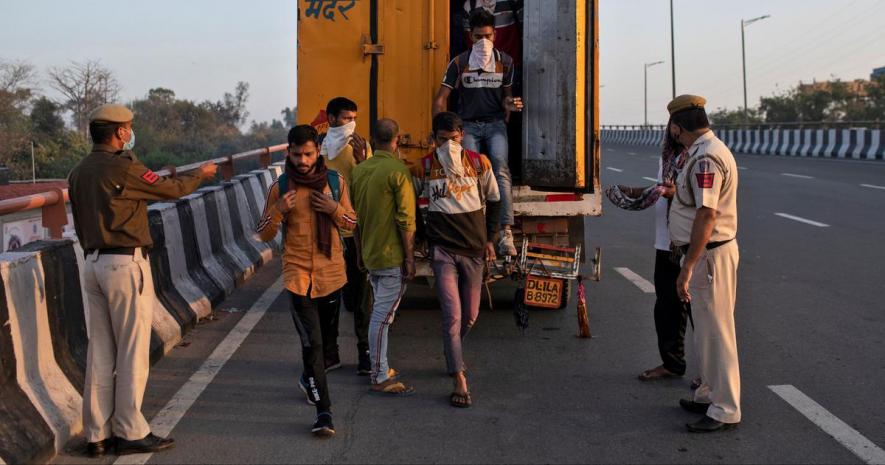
109	192
709	179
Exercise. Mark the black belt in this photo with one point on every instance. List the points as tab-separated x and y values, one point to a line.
120	251
487	119
710	245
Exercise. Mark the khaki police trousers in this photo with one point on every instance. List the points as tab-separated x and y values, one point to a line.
121	300
713	288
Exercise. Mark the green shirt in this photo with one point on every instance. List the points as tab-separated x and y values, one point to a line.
384	200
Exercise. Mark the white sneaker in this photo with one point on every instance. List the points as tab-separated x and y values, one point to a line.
505	243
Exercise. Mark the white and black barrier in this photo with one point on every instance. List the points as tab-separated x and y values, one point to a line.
849	143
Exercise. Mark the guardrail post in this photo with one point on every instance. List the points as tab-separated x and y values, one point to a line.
55	215
264	158
227	169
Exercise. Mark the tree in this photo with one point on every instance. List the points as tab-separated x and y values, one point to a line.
46	121
289	115
232	107
84	86
724	116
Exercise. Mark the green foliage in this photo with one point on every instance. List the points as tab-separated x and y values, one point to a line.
170	131
832	101
725	116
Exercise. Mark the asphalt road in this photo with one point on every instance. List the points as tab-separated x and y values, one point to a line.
810	314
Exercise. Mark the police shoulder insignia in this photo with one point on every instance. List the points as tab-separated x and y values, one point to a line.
705	174
150	177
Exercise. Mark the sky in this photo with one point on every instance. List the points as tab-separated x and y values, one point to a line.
201	48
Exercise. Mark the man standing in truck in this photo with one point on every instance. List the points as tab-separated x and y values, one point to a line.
484	77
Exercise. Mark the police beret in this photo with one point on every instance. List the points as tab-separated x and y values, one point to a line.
686	102
112	113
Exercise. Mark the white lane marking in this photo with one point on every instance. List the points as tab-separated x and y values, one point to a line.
742	167
164	422
631	153
800	176
802	220
650	179
609	150
872	186
639	281
849	437
616	170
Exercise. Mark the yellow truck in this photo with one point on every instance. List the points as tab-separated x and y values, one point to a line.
389	56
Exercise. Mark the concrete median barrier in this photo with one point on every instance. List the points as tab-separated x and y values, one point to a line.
191	253
244	225
38	373
173	250
25	436
222	276
224	242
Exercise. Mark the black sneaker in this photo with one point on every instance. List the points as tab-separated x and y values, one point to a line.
364	368
305	388
149	444
323	426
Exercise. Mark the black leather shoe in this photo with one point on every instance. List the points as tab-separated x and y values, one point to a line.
709	425
100	448
694	407
148	444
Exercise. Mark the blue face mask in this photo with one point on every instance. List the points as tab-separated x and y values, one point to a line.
129	145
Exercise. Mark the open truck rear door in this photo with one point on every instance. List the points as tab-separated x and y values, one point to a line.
560	90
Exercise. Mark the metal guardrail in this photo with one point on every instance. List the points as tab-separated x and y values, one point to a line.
790	125
52	203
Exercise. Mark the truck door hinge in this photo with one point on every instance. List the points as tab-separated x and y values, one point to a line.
369	48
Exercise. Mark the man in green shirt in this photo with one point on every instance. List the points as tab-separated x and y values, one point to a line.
384	199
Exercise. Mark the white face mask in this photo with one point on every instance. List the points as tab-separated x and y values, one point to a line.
449	156
482	56
336	138
130	144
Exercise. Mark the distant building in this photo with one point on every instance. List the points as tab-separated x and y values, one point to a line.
878	72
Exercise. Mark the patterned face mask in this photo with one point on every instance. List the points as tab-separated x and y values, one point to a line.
647	197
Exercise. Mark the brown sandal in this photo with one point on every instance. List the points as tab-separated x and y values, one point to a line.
392	388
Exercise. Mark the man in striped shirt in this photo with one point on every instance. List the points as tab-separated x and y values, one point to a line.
458	194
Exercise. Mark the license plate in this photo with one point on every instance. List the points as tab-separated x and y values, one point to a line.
542	292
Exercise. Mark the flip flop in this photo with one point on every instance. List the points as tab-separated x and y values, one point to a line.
392	388
657	373
460	400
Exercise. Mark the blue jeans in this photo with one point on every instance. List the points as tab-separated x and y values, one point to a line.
491	139
388	288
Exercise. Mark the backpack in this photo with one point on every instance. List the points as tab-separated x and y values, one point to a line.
331	178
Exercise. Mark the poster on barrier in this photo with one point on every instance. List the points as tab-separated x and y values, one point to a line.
19	233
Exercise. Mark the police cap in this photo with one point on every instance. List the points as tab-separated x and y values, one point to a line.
686	102
112	113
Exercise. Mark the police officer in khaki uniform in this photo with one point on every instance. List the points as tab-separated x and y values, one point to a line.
109	191
703	226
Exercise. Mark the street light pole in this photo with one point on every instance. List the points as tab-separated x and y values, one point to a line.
744	24
672	52
645	85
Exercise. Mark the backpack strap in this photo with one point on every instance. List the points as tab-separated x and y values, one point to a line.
476	161
282	187
334	182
